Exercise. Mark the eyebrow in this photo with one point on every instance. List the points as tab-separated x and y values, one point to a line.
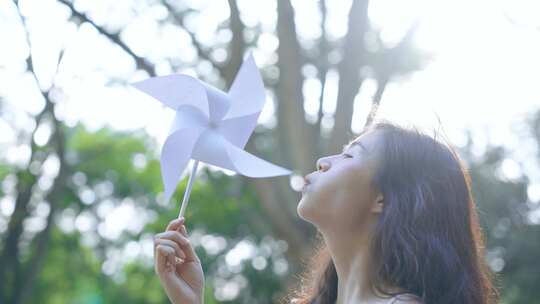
355	143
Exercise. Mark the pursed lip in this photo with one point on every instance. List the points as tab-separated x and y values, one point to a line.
307	182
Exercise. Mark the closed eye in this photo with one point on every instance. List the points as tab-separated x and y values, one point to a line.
347	155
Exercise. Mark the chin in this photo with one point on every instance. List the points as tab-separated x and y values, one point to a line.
301	207
306	209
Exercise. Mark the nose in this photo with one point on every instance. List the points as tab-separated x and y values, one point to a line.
323	164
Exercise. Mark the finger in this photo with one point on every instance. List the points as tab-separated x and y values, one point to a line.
163	252
174	236
182	241
182	230
174	224
163	239
178	251
165	257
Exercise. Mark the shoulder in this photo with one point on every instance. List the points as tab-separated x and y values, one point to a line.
406	298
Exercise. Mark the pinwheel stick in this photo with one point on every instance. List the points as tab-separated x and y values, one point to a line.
188	189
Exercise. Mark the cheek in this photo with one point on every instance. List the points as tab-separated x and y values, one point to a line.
356	210
354	204
331	197
354	199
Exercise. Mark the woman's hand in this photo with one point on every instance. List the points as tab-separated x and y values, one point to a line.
177	265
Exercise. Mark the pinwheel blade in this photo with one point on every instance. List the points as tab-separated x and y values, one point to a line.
247	91
214	149
252	166
237	130
176	90
175	155
219	102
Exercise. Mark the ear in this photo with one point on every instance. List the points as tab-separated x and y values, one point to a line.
378	204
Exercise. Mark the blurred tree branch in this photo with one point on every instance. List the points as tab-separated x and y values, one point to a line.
114	37
349	74
179	18
18	278
283	224
322	65
400	59
293	130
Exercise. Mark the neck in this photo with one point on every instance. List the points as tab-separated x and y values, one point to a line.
351	260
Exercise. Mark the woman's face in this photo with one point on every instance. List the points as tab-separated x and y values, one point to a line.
340	194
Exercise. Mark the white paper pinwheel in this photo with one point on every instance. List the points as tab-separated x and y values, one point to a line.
210	125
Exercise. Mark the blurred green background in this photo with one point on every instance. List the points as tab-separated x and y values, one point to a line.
81	191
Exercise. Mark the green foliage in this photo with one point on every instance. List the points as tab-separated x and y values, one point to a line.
70	273
5	170
110	155
504	209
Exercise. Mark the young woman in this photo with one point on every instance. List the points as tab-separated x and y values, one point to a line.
396	222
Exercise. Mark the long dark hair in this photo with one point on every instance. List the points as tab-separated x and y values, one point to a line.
427	240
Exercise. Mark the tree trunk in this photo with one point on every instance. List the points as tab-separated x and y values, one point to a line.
349	75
